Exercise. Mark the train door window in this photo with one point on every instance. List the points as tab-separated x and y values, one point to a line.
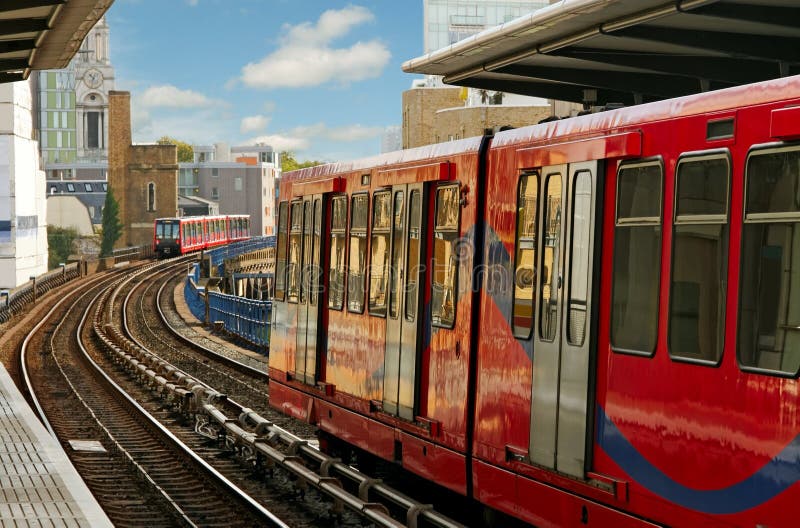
445	260
396	263
413	256
295	248
305	268
356	279
637	258
769	311
580	266
548	291
525	258
316	266
699	259
379	258
280	261
336	271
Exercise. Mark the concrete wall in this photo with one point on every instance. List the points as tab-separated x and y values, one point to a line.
69	211
23	221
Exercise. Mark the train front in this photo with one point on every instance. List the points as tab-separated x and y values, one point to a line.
167	237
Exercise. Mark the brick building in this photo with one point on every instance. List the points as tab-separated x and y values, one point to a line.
143	178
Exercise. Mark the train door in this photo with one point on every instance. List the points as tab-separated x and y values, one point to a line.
310	289
406	275
561	417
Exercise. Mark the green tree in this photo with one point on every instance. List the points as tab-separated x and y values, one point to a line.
290	163
185	150
59	244
112	227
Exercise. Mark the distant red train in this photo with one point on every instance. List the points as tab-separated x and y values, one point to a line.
178	236
587	322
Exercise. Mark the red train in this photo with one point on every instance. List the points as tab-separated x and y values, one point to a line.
178	236
587	322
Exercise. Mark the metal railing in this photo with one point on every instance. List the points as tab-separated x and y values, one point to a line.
243	317
14	300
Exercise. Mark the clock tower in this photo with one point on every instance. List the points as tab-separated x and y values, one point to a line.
94	78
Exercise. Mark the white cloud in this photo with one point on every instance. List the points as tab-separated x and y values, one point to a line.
269	106
193	3
168	96
254	123
306	58
282	142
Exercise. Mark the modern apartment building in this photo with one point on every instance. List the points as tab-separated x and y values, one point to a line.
72	117
241	179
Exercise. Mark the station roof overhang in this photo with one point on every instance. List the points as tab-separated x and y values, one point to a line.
43	34
626	51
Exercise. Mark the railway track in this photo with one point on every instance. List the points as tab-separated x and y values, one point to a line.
135	467
191	443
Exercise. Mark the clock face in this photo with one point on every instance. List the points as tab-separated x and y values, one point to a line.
93	78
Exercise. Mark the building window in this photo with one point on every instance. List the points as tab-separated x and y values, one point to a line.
214	193
445	261
151	197
88	187
637	259
70	187
215	171
94	130
237	183
769	313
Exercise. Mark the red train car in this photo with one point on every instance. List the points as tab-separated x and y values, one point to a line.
586	322
178	236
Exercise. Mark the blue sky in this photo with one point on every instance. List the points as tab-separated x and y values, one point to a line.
320	78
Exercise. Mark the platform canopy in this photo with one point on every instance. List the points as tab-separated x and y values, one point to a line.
43	34
626	51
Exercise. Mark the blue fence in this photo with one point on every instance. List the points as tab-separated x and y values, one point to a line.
246	318
218	255
194	297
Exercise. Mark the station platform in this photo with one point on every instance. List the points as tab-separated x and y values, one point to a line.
38	484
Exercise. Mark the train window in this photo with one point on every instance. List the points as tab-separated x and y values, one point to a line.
699	259
525	258
580	265
445	259
379	258
356	280
280	261
548	291
769	311
336	271
295	247
637	262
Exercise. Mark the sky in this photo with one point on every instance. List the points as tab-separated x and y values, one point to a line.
319	78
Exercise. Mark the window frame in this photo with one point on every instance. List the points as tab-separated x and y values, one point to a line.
759	218
688	219
638	222
282	298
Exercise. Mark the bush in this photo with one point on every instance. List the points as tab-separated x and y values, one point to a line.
60	242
